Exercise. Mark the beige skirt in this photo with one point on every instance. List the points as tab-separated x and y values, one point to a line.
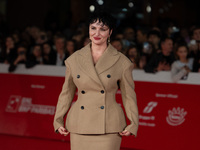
111	141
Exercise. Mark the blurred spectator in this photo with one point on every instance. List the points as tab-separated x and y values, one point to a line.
34	32
193	48
19	58
35	57
162	61
49	54
86	40
196	34
16	37
128	37
78	37
142	37
154	38
182	66
119	35
8	52
143	61
117	43
196	53
42	38
147	51
71	46
133	55
61	54
185	35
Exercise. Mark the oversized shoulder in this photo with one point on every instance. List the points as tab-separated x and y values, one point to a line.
72	58
124	60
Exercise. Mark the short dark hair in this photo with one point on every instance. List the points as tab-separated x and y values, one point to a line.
164	38
103	17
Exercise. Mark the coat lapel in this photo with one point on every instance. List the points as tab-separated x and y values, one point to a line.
109	58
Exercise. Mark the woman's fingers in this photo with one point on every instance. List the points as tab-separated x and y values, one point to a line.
125	133
63	131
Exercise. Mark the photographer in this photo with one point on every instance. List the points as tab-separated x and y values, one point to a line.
20	58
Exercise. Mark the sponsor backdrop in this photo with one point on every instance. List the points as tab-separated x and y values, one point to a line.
169	116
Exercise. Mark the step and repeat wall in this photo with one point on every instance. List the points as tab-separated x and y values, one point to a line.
168	112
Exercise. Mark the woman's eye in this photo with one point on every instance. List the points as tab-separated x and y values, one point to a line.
102	29
93	28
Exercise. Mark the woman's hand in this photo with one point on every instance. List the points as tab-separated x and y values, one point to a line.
63	131
187	69
125	133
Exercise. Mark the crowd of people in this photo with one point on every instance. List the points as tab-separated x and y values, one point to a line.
151	49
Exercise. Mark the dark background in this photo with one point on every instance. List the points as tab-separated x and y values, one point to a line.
17	14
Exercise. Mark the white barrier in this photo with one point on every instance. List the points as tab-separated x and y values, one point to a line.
138	75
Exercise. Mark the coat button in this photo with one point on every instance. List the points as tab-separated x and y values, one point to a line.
102	91
102	107
108	76
82	107
78	76
83	92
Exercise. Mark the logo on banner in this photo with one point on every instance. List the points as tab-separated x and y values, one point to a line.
24	104
13	104
150	106
176	116
146	120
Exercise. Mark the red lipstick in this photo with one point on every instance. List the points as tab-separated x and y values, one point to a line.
97	38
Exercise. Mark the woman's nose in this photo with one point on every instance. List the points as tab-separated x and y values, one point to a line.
97	32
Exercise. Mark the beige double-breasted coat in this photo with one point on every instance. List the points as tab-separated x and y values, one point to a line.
96	110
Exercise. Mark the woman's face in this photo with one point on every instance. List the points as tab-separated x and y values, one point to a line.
70	46
117	45
9	42
46	49
37	51
132	53
99	33
60	44
182	52
154	39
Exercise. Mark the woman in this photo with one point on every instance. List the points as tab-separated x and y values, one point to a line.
183	65
9	51
49	54
35	57
96	121
20	58
71	46
133	55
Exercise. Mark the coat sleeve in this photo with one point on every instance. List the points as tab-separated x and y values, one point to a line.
65	98
129	97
